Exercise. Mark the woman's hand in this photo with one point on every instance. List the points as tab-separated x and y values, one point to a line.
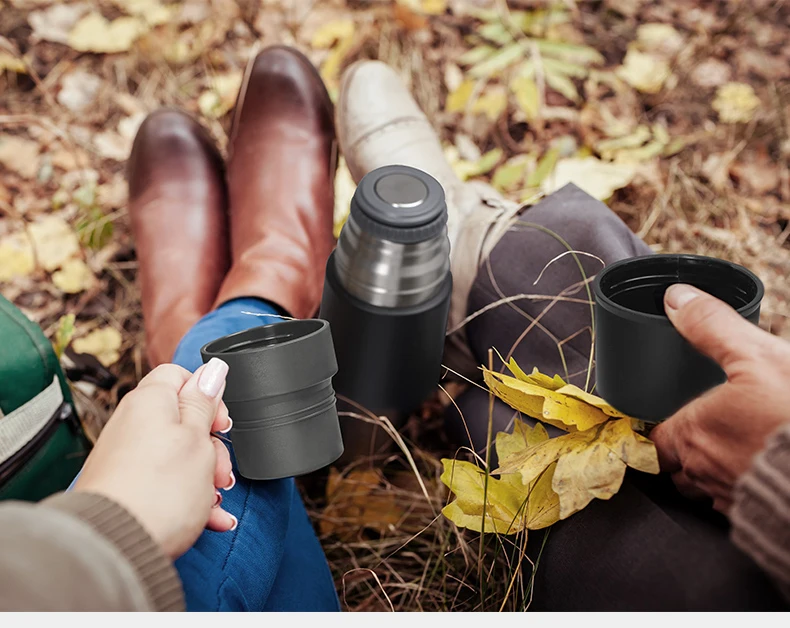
156	456
710	442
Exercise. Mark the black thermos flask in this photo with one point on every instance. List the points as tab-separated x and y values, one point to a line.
387	297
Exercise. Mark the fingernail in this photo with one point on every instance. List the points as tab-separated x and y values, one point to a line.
227	429
679	295
212	377
232	482
217	499
235	523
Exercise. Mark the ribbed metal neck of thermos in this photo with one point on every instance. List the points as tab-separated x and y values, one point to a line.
393	250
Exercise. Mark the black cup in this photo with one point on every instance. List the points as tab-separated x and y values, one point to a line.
643	366
279	394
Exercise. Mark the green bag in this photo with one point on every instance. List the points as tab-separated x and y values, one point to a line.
42	446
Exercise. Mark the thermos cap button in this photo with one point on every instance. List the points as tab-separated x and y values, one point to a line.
401	190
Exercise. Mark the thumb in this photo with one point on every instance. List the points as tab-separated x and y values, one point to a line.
710	325
199	398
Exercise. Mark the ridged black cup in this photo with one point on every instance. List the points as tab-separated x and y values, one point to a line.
279	394
643	366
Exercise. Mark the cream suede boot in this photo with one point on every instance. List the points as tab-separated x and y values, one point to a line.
379	124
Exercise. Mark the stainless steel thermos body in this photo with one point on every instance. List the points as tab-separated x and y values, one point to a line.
387	295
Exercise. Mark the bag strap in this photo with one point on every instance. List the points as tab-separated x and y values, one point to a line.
21	426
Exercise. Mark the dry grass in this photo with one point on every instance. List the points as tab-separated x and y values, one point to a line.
727	193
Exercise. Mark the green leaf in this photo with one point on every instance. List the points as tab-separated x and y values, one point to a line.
495	32
498	62
558	66
562	84
476	55
544	168
63	334
569	52
637	138
487	162
510	175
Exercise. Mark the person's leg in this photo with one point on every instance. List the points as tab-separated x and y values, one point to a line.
273	560
647	548
276	202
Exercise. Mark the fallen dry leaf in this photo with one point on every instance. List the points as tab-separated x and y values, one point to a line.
93	33
711	73
338	36
644	71
735	102
590	464
344	191
112	145
74	277
598	178
510	505
16	257
78	90
151	11
492	103
658	37
221	95
54	241
11	63
549	406
19	155
358	500
104	344
55	22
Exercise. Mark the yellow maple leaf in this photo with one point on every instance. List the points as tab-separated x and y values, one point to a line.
644	71
549	406
93	33
590	464
103	343
505	499
74	277
735	102
578	393
511	505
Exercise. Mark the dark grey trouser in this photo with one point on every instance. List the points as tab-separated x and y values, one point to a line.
647	548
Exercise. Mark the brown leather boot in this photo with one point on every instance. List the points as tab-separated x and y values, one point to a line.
177	205
281	168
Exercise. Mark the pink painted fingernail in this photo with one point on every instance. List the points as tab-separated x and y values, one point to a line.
235	523
232	482
217	499
227	429
212	377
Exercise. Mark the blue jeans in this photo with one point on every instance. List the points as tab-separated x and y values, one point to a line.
273	560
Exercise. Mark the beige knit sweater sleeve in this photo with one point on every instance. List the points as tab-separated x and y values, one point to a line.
81	552
761	511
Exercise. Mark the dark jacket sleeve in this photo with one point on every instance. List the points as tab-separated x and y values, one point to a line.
81	552
761	510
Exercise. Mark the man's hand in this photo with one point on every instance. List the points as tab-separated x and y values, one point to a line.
711	441
156	456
